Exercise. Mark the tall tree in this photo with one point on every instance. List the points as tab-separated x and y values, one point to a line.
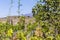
48	14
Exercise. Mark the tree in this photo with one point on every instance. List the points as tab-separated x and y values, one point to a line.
49	14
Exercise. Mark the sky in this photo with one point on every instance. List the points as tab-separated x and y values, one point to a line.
26	7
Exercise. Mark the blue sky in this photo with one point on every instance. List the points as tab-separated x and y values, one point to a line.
25	8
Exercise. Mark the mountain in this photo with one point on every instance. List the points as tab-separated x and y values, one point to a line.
28	14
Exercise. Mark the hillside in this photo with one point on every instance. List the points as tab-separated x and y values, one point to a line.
15	19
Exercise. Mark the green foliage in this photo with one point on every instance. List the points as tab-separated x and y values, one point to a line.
47	19
36	38
20	35
48	16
